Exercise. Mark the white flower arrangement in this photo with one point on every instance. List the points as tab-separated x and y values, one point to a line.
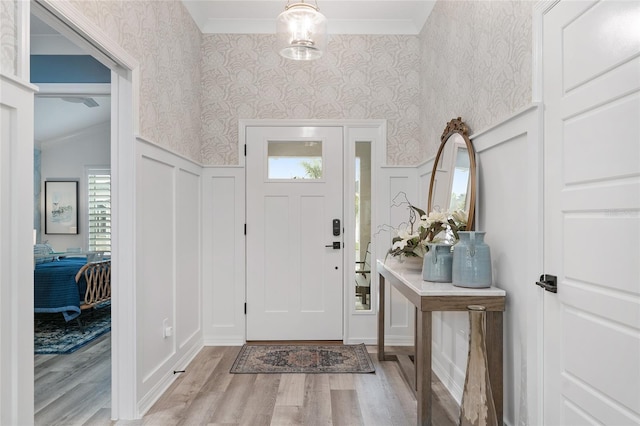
443	226
411	238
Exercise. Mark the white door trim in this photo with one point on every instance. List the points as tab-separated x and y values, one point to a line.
16	252
535	338
65	18
348	125
369	129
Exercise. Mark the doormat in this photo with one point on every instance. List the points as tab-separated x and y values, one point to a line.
53	335
308	359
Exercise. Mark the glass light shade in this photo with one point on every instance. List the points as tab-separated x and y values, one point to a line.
302	32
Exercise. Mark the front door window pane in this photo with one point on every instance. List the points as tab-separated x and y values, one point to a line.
294	160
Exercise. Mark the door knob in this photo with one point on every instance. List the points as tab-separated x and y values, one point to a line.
335	245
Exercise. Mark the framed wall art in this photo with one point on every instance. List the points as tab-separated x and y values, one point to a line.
61	207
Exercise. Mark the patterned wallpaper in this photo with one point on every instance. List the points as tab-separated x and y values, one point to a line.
162	36
476	64
8	37
359	77
472	59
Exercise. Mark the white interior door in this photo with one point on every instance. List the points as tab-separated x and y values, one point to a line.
591	57
294	193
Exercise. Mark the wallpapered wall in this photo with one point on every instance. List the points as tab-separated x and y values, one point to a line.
476	64
472	59
8	37
166	42
358	77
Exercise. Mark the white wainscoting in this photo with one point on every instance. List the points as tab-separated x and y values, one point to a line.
168	270
16	251
394	181
424	179
509	210
223	272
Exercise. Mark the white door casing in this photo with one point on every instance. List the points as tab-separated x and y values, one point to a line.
294	281
591	88
64	18
16	251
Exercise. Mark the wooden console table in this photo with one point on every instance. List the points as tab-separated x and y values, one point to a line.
428	297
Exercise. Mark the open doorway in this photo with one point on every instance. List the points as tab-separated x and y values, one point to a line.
72	145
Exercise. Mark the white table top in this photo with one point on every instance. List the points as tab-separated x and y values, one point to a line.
412	278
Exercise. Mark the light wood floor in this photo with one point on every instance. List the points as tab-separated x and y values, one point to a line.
75	391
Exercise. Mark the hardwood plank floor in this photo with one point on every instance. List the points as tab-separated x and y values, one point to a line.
212	396
75	390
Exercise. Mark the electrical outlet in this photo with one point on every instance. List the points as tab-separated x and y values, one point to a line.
166	330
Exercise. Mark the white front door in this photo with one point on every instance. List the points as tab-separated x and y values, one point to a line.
294	195
591	77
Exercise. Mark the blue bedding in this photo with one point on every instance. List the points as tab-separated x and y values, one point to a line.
55	288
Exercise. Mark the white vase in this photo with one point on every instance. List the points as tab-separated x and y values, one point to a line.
412	262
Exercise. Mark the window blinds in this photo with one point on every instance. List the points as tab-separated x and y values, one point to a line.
99	207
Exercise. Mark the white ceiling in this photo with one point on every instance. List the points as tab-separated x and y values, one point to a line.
343	16
55	117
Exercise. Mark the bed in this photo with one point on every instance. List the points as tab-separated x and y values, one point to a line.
55	287
69	282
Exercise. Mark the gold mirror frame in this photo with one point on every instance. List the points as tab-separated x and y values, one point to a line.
454	126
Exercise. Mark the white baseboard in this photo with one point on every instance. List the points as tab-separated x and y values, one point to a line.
224	341
369	341
449	382
398	341
147	401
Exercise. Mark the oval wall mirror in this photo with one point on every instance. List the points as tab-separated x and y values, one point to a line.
453	178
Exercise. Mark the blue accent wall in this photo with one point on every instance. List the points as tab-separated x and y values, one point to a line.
68	69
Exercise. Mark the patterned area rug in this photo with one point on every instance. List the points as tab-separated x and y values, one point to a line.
53	335
303	359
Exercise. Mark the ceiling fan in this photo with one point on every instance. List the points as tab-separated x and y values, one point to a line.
90	102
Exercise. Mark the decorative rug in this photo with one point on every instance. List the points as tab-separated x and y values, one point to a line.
53	335
266	359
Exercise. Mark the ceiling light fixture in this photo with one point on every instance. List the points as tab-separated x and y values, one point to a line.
302	31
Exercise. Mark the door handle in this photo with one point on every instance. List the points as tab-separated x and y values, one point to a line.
548	282
335	245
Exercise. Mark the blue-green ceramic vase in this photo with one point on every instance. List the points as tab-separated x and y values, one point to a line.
471	261
437	263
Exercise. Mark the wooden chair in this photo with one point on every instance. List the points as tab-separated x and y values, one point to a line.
363	277
98	278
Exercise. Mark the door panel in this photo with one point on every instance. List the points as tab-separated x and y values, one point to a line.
276	267
312	213
602	36
591	81
294	281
